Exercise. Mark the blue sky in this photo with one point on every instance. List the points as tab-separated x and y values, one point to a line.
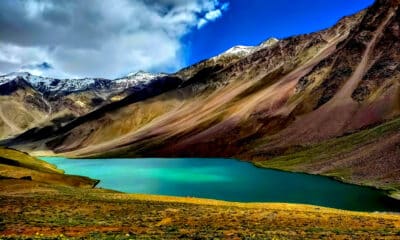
249	22
71	38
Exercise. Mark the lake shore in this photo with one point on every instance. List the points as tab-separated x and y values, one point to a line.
38	201
224	179
31	209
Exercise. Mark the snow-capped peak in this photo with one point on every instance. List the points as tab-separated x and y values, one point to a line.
55	86
143	75
243	51
25	75
136	79
141	72
13	75
269	43
236	51
239	50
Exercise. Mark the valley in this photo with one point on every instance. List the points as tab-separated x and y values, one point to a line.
263	104
232	147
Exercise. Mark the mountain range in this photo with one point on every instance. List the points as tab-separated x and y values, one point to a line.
323	103
31	101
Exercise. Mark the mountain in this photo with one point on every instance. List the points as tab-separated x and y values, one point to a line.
244	51
240	51
54	86
323	103
21	107
206	67
29	101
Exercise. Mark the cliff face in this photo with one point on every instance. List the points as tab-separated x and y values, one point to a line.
323	103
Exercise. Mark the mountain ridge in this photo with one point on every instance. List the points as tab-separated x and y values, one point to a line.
50	86
32	101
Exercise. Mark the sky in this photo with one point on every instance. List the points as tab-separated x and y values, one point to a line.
99	38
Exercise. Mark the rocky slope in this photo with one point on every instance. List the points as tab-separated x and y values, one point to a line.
29	101
206	68
324	103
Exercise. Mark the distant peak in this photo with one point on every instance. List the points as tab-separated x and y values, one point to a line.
240	47
243	51
18	74
139	73
13	75
141	76
270	42
238	50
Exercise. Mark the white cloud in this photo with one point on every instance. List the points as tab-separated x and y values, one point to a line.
201	23
212	15
101	39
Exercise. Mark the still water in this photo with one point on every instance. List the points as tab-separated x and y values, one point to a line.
224	179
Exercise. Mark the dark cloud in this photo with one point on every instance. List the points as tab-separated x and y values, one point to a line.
97	38
40	66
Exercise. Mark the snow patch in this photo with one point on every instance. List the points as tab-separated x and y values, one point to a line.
244	51
239	50
53	85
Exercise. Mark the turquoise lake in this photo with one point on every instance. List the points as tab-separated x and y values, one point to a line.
224	179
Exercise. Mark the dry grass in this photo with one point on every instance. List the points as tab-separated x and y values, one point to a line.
53	205
16	165
24	160
64	212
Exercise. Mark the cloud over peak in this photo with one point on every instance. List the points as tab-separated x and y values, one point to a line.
99	38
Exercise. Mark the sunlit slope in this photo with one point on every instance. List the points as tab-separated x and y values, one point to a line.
15	165
20	109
